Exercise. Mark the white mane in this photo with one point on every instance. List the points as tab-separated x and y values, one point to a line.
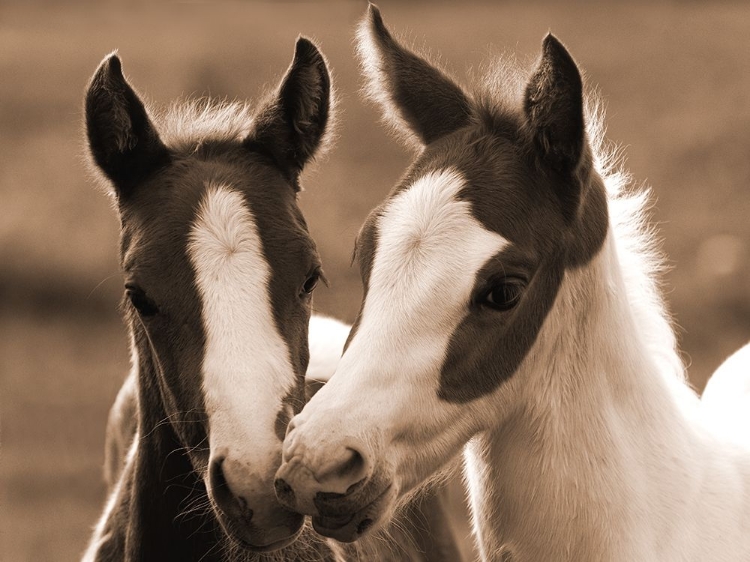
636	243
499	93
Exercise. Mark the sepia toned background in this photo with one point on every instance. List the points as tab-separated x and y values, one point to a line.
674	74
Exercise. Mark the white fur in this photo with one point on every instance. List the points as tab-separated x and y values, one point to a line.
429	250
596	449
246	367
189	124
326	338
608	453
726	399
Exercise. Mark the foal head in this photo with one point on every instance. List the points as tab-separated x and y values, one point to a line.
461	265
219	269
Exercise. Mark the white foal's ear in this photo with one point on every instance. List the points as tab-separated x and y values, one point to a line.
292	126
416	98
122	139
553	105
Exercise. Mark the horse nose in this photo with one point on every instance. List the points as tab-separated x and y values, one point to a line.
233	505
343	469
334	473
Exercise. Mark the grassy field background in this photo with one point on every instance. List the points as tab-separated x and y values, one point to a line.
674	76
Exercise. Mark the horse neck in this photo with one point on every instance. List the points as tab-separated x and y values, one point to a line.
159	509
598	441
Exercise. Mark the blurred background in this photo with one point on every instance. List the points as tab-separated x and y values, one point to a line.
675	77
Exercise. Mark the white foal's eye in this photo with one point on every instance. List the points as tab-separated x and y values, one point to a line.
503	296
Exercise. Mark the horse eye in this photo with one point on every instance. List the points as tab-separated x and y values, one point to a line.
144	305
309	286
503	296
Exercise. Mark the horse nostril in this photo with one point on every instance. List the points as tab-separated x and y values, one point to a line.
233	506
343	472
364	525
284	492
353	466
291	426
216	474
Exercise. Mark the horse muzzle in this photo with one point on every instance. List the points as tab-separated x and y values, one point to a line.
337	484
352	523
256	521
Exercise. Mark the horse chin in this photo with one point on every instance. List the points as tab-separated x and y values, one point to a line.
283	543
352	526
254	539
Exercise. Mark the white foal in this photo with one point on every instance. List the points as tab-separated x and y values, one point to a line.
726	398
511	311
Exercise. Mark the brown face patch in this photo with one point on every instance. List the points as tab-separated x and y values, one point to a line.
364	254
156	228
155	231
488	346
512	196
509	195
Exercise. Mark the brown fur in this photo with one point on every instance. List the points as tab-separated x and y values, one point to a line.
159	507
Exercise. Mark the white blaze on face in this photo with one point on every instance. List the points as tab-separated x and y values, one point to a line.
246	367
429	248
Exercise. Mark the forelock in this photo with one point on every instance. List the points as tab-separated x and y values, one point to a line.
187	125
499	87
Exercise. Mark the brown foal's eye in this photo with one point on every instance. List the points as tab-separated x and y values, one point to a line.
144	305
309	286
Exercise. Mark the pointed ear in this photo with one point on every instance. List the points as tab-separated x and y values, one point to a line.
293	124
122	139
417	98
553	105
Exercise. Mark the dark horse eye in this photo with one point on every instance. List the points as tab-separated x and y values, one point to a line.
309	286
503	296
144	305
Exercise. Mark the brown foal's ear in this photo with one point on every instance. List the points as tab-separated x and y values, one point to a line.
419	100
292	125
122	139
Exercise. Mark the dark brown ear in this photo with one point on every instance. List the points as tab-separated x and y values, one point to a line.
122	139
553	105
292	125
554	108
416	97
